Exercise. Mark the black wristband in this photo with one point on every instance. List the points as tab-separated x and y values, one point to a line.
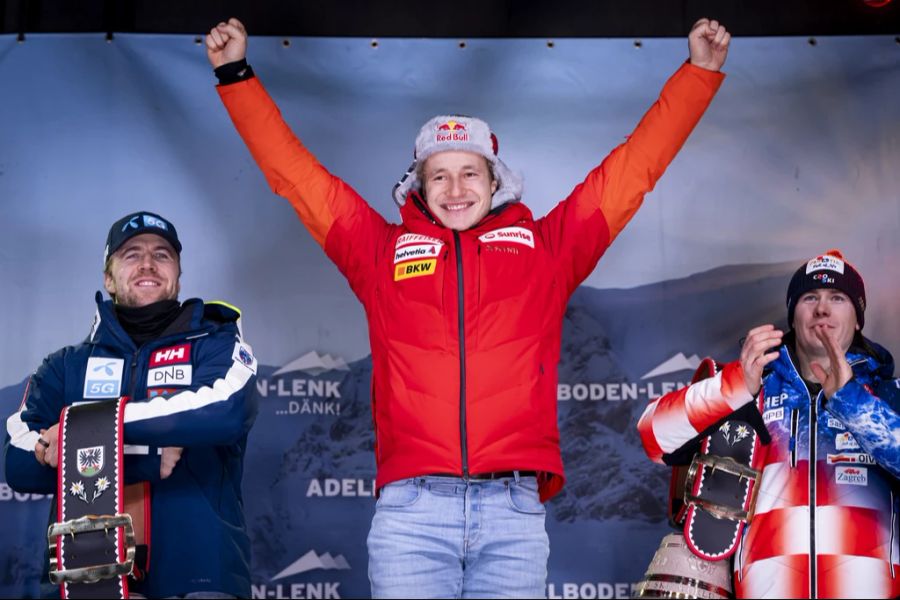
233	72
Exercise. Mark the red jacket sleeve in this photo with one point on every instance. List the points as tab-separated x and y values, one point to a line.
669	422
583	225
341	222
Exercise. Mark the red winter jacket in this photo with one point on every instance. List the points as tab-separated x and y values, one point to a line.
465	326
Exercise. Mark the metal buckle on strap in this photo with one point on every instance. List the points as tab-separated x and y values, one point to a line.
93	573
727	465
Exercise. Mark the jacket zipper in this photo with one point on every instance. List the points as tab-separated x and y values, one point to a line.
891	559
813	440
795	418
461	323
812	475
132	380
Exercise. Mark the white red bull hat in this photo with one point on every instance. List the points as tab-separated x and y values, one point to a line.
457	132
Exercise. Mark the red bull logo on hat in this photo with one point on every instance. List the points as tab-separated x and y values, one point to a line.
451	131
452	126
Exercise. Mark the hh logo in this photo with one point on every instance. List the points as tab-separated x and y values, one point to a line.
173	355
415	269
171	375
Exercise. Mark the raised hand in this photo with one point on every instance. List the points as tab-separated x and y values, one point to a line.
708	42
226	43
839	371
754	355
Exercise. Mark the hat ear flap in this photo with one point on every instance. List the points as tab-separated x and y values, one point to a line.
511	185
408	182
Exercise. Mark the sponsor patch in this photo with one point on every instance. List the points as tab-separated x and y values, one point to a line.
151	221
170	375
418	251
415	269
516	235
451	131
103	377
153	393
415	238
835	424
775	414
851	457
173	355
851	475
90	460
244	355
825	263
845	441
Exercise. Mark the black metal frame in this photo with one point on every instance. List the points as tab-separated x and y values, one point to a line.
457	19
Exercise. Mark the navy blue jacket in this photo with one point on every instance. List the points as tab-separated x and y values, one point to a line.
189	388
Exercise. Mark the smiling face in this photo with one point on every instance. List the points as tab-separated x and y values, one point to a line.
143	271
825	308
458	187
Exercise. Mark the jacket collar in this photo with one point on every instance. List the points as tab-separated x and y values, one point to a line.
866	363
417	218
107	331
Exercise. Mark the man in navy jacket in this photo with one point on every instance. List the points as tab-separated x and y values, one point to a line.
188	375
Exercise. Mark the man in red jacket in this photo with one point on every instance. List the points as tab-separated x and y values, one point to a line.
465	300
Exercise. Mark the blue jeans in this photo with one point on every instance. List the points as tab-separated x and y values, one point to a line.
446	537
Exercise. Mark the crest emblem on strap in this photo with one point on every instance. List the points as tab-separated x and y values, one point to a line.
90	461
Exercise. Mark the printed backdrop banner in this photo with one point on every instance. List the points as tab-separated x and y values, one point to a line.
797	154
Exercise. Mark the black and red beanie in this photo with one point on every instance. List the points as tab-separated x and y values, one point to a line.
831	271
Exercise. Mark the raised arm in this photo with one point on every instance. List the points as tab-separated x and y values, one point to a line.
587	222
680	417
336	216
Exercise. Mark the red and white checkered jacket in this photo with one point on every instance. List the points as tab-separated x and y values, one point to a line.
824	532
